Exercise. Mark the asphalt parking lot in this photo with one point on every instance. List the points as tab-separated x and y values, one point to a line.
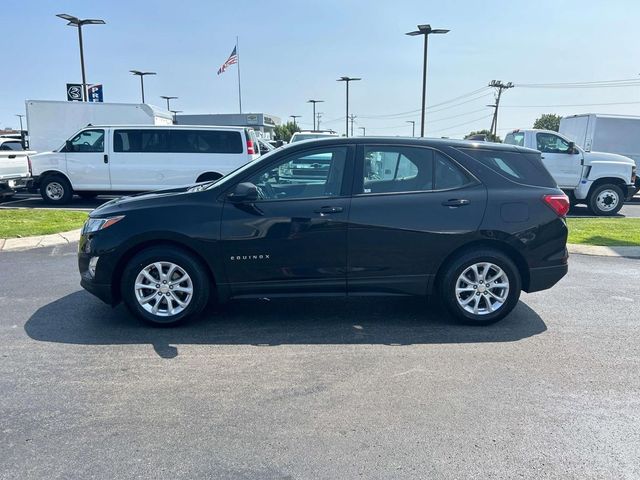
329	388
27	200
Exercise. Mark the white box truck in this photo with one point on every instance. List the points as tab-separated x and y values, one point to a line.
50	123
596	132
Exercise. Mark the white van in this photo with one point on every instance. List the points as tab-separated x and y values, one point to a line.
137	158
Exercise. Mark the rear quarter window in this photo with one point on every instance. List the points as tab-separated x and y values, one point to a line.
520	167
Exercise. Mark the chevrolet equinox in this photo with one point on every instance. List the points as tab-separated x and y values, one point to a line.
473	223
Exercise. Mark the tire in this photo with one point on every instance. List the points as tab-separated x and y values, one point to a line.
489	308
165	296
606	200
87	195
56	190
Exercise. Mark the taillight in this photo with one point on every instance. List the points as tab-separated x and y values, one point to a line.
29	163
559	203
250	149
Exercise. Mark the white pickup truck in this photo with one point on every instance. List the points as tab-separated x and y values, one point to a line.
15	169
600	180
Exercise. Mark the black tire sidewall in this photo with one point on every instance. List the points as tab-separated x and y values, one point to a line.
593	200
187	262
67	195
458	265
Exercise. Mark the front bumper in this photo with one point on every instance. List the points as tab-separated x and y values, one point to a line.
100	284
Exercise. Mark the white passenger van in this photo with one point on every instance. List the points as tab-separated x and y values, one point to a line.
137	158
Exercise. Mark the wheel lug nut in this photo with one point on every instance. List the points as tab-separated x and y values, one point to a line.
477	293
475	286
170	287
164	281
157	285
159	294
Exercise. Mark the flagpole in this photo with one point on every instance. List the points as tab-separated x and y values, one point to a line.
239	88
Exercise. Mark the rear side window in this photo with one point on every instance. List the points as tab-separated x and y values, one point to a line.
11	146
177	141
515	138
141	141
526	168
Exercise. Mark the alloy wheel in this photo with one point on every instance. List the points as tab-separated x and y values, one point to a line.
482	288
163	289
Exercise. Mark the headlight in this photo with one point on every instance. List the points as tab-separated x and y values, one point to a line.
95	224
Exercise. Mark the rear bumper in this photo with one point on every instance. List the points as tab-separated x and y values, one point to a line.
542	278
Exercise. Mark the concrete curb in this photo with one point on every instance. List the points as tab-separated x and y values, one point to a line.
626	252
27	243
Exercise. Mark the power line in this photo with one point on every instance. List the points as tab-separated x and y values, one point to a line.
461	124
592	84
571	105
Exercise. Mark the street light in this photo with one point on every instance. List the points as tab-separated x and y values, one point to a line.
425	30
314	110
294	119
142	74
167	99
364	131
347	80
413	127
20	117
175	118
77	22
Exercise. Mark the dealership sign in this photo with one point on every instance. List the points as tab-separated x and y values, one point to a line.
74	92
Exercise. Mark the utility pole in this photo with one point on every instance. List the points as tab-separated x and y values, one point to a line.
314	110
500	87
318	116
413	127
364	131
352	119
294	120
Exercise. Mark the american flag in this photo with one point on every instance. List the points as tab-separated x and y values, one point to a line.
233	58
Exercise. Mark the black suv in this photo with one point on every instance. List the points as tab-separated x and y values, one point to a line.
475	223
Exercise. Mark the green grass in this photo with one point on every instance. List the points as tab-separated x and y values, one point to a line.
27	222
605	231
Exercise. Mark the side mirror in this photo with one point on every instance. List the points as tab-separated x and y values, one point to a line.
572	148
68	146
245	192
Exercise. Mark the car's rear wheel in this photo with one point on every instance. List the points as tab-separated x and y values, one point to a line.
56	190
606	200
480	287
165	286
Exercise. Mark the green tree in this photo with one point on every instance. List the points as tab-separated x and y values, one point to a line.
283	132
490	137
548	121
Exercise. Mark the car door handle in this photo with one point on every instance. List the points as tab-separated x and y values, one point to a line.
106	158
326	210
456	202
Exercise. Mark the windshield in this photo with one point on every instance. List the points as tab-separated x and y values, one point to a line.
298	137
238	171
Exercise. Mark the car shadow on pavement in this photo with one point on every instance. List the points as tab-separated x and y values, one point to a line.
80	319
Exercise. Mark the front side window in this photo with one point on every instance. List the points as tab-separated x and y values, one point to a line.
397	169
550	143
308	174
87	141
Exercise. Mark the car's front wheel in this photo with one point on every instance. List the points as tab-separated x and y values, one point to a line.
481	287
165	286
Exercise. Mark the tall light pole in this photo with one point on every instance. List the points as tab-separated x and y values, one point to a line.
314	110
175	118
20	117
294	120
352	119
347	80
77	22
167	99
141	75
413	127
364	131
425	30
